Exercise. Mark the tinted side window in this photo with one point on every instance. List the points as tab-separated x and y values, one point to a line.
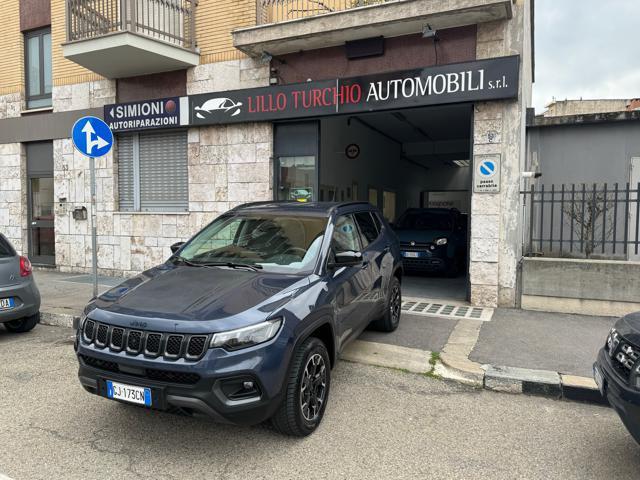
5	248
345	235
376	220
367	227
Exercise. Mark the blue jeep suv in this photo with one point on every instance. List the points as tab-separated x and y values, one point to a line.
244	321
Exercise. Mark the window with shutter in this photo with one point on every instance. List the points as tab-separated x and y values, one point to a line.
153	172
125	173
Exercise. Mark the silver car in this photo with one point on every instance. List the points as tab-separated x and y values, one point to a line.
19	295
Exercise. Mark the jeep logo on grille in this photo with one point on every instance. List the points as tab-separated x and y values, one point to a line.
138	324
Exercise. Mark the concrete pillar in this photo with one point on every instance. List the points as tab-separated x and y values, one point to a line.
500	128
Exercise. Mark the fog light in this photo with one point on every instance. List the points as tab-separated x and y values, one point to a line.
239	388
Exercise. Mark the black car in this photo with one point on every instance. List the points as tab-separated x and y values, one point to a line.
433	240
617	371
245	320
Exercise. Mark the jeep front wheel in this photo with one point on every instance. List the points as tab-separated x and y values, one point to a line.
307	390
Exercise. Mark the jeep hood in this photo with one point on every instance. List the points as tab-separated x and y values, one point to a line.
193	293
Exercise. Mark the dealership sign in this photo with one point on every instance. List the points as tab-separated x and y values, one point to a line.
482	80
158	113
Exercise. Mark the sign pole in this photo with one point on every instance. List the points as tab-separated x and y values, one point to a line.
92	138
94	229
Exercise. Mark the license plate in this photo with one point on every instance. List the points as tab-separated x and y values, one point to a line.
411	254
6	303
597	376
129	393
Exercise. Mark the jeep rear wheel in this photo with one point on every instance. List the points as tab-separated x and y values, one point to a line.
307	390
392	310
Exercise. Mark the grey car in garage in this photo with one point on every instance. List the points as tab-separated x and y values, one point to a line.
19	295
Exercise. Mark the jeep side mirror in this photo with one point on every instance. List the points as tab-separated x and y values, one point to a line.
176	246
348	258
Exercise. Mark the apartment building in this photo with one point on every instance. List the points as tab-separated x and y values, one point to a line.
403	103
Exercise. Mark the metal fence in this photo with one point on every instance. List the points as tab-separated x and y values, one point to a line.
580	220
172	21
273	11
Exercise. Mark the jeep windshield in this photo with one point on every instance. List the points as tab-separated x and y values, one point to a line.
272	242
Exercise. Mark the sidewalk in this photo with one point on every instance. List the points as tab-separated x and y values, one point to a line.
64	295
558	342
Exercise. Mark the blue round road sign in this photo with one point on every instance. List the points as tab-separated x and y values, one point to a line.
92	137
487	168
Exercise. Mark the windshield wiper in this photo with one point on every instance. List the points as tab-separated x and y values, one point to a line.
255	268
185	261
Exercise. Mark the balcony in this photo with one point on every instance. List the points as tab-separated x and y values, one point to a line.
286	26
126	38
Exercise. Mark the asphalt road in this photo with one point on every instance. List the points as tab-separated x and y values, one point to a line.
381	424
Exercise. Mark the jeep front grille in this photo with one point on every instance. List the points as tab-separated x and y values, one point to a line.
624	355
150	344
174	345
185	378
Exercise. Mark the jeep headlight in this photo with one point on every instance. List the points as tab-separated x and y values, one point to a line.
613	339
83	319
441	241
247	336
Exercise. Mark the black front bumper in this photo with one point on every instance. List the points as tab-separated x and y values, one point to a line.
204	397
622	397
428	261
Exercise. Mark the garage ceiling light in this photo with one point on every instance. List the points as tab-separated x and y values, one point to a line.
461	163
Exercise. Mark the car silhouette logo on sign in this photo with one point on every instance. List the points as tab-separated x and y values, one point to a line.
213	105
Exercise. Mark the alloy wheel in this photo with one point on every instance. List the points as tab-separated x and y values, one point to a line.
313	387
395	304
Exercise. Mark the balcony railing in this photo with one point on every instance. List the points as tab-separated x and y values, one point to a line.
172	21
274	11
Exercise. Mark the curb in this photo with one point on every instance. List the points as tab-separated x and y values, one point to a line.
57	319
544	383
455	365
390	356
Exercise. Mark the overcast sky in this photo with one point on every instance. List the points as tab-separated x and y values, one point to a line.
586	48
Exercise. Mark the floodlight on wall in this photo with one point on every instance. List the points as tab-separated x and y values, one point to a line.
428	32
461	163
531	174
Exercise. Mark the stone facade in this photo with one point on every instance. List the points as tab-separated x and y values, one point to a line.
499	128
11	105
80	96
13	195
232	164
227	165
13	186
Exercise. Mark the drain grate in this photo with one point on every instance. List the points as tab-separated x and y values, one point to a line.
428	308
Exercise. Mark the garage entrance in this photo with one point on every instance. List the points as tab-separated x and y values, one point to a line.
413	164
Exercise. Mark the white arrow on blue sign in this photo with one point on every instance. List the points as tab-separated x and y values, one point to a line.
92	137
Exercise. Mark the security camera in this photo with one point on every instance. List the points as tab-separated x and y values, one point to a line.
428	32
531	174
